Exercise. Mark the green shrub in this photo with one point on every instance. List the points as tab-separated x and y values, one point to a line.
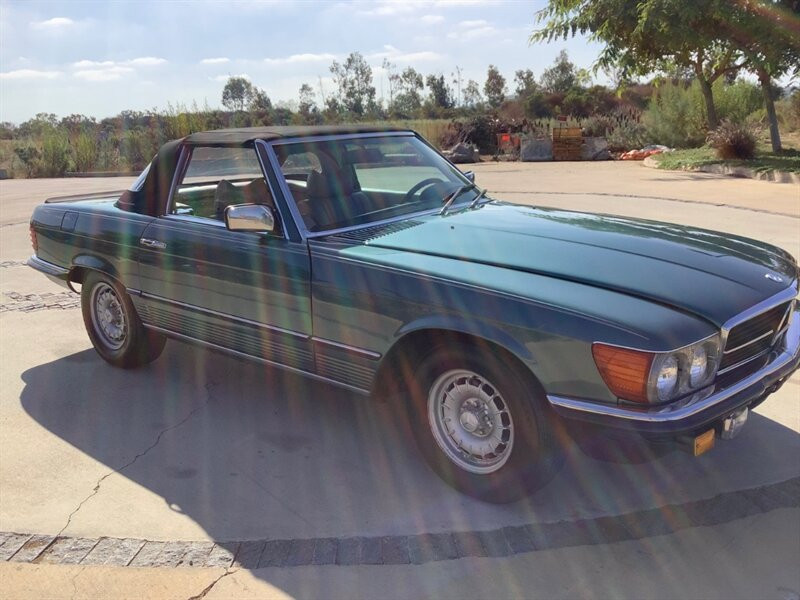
30	157
627	135
788	110
623	130
55	154
735	102
137	149
86	152
677	115
733	140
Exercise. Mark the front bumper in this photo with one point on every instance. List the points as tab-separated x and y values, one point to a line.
699	410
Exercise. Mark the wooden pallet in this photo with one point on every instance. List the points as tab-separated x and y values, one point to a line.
567	143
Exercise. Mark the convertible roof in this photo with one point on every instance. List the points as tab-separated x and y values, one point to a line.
245	135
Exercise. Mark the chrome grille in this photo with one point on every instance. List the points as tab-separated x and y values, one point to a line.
754	337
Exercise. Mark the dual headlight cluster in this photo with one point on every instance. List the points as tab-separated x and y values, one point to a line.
655	377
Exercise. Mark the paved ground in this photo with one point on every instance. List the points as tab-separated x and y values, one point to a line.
202	469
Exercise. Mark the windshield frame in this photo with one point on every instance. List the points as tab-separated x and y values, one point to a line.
272	156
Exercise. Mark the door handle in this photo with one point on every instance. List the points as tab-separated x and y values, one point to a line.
152	243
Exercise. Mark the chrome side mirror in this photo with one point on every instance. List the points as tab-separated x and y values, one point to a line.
249	217
470	175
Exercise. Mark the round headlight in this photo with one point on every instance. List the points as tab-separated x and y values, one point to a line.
667	378
699	366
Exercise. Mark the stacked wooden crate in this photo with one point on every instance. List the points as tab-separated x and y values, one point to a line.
567	143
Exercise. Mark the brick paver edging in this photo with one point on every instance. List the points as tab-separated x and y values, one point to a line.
400	549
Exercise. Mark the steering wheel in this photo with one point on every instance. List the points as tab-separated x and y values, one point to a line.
422	184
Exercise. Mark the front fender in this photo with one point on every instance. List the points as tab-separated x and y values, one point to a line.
471	327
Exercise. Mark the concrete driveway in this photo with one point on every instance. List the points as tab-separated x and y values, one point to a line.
204	475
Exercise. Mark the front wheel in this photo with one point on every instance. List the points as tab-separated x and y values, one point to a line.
482	426
113	325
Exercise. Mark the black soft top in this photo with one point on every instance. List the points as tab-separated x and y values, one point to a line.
154	192
247	135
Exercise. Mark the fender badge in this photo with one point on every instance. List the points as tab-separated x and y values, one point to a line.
774	278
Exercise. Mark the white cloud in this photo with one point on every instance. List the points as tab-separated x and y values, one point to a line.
215	61
54	23
394	54
390	8
472	30
86	64
224	78
300	58
471	24
29	74
393	8
109	70
105	74
145	61
431	19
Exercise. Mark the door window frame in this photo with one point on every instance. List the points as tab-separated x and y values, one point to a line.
182	167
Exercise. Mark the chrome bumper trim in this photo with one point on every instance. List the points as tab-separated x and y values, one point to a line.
789	352
48	268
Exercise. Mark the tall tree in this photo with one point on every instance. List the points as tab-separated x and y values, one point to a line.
308	102
353	77
642	36
767	33
407	87
495	87
237	93
472	94
525	82
259	101
440	95
561	77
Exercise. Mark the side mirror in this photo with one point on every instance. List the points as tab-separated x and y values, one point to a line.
470	175
249	217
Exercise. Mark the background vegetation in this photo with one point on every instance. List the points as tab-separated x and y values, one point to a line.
669	109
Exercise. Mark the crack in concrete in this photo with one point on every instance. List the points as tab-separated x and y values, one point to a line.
211	585
74	585
131	462
278	499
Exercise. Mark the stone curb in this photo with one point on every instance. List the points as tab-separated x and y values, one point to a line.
743	172
400	549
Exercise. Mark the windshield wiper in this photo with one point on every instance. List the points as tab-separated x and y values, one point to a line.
478	198
450	198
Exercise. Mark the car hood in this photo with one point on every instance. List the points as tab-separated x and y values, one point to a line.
710	274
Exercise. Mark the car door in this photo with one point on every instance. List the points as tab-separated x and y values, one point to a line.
248	292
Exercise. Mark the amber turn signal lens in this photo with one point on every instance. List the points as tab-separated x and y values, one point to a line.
625	371
704	442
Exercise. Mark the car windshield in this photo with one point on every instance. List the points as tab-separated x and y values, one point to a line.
345	182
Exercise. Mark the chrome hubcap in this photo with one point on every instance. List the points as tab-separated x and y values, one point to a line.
470	421
108	316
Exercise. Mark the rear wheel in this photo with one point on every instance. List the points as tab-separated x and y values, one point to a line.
482	426
113	325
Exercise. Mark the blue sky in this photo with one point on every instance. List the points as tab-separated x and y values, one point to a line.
98	58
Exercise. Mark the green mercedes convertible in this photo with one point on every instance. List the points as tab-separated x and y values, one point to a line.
361	257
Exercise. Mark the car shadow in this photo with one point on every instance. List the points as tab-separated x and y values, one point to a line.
249	453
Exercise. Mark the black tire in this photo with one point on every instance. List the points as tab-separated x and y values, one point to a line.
535	454
122	341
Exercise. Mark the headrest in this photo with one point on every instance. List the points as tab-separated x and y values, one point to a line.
329	185
255	192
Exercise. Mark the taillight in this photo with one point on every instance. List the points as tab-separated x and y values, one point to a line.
34	240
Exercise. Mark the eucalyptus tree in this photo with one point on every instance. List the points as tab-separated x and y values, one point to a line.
767	33
643	36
